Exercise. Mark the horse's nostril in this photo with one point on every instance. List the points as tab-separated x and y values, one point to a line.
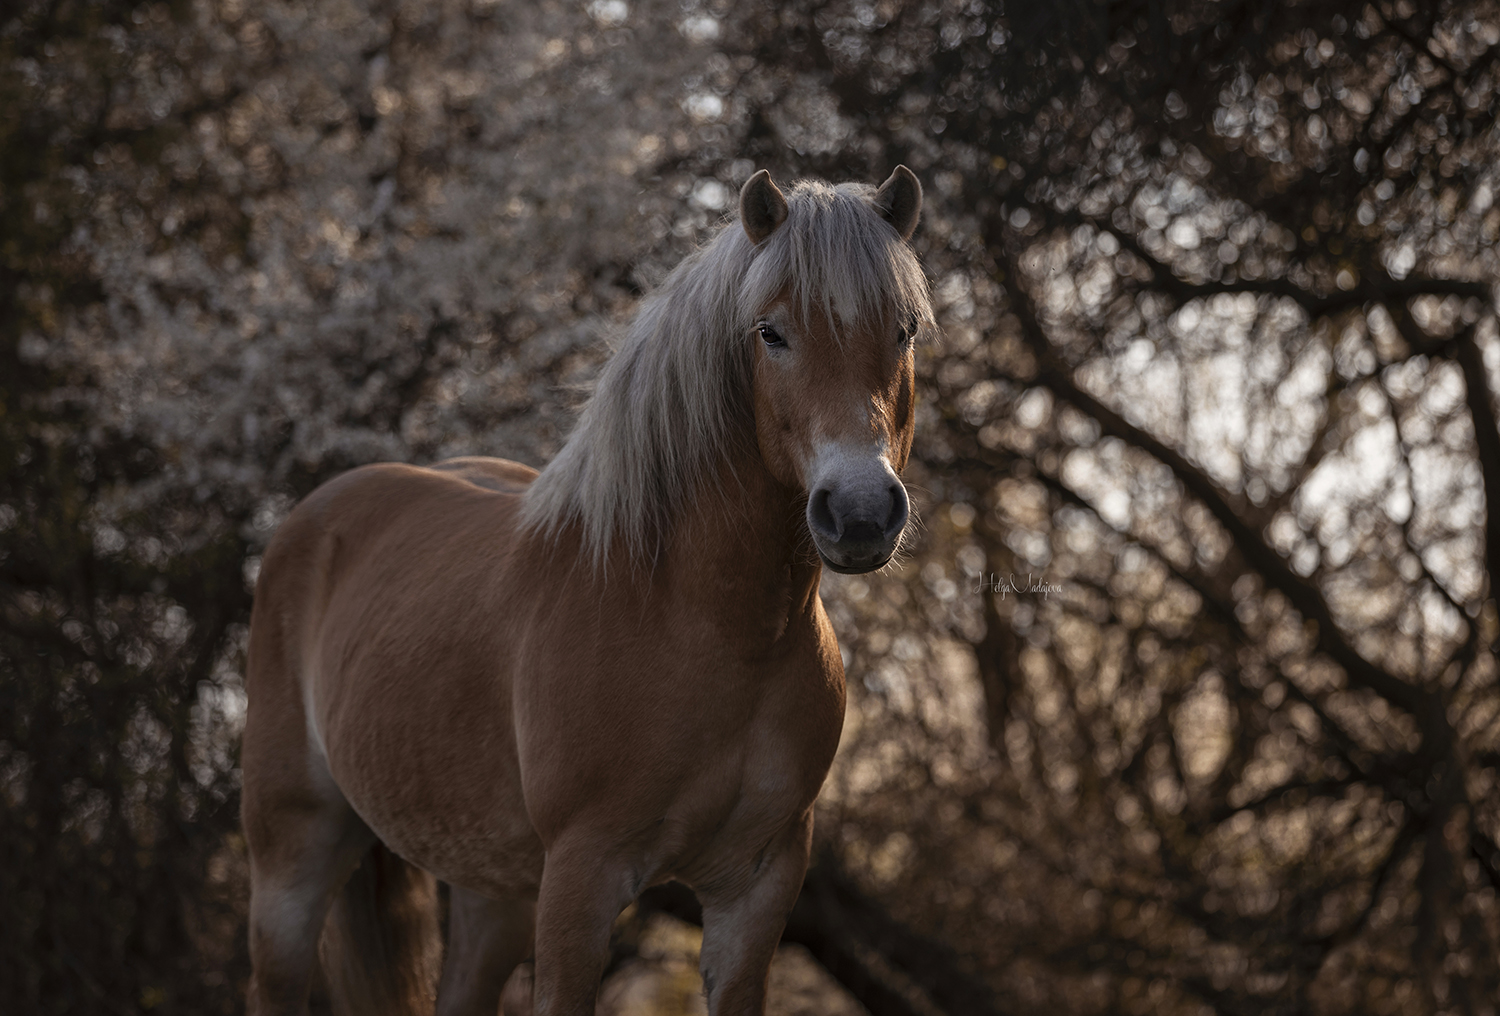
858	514
821	516
896	520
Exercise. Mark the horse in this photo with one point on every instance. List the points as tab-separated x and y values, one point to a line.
552	690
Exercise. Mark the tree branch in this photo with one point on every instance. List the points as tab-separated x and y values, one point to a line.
1305	597
1382	289
1487	439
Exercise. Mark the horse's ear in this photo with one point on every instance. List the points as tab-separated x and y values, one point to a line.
899	201
762	207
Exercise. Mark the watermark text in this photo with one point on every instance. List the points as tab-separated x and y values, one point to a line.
1004	585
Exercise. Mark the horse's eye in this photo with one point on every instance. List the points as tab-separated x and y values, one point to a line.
908	332
768	335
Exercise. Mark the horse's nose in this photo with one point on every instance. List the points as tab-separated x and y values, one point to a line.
840	516
857	525
856	507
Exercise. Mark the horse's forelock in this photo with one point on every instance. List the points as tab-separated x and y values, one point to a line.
836	253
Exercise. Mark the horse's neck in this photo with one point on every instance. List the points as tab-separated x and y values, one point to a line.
738	545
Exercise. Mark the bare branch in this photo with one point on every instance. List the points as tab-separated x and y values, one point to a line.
1317	449
1369	290
1487	439
1305	596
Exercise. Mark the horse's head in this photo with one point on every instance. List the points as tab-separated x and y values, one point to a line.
839	299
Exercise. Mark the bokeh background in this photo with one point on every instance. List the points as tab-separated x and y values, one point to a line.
1183	701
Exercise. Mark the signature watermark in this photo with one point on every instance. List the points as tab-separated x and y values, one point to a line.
1032	585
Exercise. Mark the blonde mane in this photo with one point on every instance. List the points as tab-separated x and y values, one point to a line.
677	389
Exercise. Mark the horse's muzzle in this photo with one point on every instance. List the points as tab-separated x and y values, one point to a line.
857	517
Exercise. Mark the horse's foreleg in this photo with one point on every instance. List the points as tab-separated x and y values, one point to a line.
742	927
486	940
581	895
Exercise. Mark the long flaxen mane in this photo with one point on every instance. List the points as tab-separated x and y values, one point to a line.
668	402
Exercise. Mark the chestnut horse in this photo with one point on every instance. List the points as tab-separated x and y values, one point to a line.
553	690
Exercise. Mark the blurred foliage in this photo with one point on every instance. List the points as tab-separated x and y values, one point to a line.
115	760
1184	698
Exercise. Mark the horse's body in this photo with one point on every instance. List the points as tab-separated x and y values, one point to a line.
536	703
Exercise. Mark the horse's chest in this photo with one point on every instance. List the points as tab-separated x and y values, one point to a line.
742	789
711	733
676	744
